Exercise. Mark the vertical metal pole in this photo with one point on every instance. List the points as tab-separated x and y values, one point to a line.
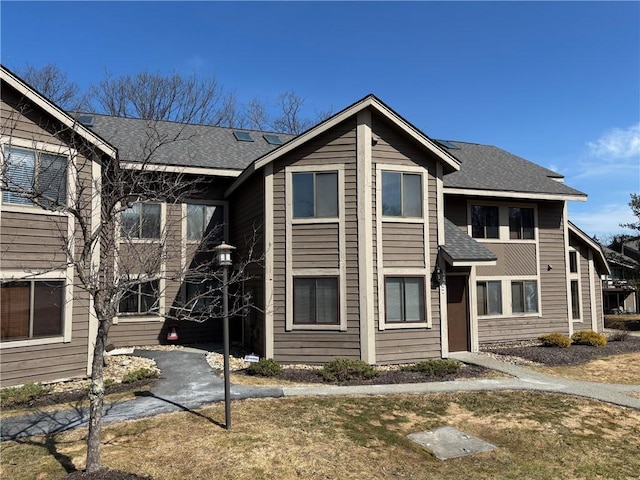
225	334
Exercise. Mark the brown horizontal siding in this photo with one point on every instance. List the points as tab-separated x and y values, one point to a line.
315	245
24	121
514	259
407	346
403	244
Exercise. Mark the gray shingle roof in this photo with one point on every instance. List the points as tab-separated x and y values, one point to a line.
485	167
182	144
461	247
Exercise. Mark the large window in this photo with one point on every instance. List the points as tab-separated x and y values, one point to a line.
142	298
34	173
404	299
401	194
315	195
521	225
484	221
489	298
315	301
524	297
141	220
31	309
203	220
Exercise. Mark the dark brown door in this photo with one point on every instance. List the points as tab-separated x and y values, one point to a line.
458	313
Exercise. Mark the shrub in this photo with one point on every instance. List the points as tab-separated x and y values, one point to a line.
345	369
435	367
265	367
22	395
555	340
139	374
619	336
589	337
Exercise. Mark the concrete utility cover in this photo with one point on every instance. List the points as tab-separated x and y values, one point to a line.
449	442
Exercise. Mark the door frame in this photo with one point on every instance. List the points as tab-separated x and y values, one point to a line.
465	276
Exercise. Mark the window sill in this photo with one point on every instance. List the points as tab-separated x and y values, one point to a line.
318	327
137	318
6	344
303	221
504	240
402	219
31	210
403	325
140	240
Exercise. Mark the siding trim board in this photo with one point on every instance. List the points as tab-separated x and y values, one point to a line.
96	208
269	261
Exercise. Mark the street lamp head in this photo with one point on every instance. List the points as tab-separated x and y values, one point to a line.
224	254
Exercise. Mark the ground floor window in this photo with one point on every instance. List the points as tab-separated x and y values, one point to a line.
202	296
142	298
575	300
315	301
31	309
524	297
404	299
489	298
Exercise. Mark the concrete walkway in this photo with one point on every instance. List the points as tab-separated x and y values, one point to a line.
188	382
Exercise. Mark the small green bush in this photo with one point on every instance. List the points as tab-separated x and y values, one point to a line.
436	367
345	369
555	340
139	374
22	395
589	337
265	367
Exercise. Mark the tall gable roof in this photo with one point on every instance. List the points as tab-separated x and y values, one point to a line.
599	256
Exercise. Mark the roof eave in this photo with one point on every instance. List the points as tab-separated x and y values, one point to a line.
593	244
471	192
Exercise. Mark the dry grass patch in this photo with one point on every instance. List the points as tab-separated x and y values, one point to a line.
623	368
540	436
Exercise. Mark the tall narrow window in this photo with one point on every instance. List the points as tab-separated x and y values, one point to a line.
141	220
524	296
31	309
315	301
573	262
315	195
575	300
401	194
521	225
203	220
404	299
484	221
489	298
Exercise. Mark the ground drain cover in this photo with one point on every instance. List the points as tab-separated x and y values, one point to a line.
449	442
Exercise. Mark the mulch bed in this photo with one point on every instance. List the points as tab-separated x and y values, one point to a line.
575	354
104	474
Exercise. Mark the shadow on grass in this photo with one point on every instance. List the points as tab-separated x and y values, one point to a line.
149	394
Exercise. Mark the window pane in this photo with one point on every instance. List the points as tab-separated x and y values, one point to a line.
130	220
150	220
393	298
214	222
195	222
304	300
52	178
575	300
494	298
515	223
414	299
129	302
412	195
477	221
491	222
15	299
527	223
517	300
531	296
326	195
391	194
573	262
19	174
47	309
482	298
303	195
327	300
149	296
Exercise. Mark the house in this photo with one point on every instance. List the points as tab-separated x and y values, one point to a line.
376	242
620	292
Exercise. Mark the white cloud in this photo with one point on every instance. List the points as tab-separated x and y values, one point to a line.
617	143
603	220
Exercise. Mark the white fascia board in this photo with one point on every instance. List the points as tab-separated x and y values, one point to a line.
519	195
466	263
56	112
154	167
591	243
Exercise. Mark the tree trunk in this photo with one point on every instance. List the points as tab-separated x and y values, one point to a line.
96	402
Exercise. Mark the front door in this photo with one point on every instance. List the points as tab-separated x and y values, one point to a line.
458	313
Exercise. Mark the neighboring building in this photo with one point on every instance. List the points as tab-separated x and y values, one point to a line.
377	242
620	292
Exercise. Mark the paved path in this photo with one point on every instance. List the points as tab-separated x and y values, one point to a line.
187	382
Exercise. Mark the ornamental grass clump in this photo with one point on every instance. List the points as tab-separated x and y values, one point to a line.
555	340
589	337
265	367
139	374
434	367
22	395
346	369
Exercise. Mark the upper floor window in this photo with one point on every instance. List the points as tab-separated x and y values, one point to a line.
489	298
315	301
142	298
524	297
484	221
141	220
31	309
203	220
573	261
31	173
315	195
401	194
521	223
404	298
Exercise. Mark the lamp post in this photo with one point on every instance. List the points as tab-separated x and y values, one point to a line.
224	260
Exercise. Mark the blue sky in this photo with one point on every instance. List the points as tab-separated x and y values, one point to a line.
556	83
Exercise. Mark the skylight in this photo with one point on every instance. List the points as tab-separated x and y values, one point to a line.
272	139
86	120
243	136
447	144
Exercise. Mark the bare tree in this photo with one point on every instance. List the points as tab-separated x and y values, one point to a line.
54	84
109	262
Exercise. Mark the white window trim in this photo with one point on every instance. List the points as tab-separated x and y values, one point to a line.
505	287
502	282
163	223
509	302
340	272
208	203
142	317
503	221
571	276
423	271
67	313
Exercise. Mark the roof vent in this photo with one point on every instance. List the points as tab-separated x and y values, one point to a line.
447	144
86	120
243	136
272	139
